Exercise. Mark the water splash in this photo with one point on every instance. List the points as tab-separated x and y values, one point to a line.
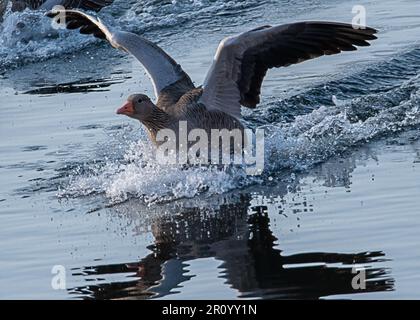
290	147
137	174
330	131
22	43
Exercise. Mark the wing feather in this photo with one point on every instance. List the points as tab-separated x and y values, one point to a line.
162	69
241	62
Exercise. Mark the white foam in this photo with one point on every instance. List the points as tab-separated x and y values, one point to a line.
139	175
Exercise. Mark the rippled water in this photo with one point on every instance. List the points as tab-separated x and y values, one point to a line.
340	188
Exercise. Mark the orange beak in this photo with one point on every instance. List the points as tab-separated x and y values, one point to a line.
127	109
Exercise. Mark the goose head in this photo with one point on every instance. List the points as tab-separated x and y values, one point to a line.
138	106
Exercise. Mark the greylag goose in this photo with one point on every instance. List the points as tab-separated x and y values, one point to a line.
235	77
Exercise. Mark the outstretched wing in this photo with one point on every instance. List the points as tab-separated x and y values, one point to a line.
162	69
241	62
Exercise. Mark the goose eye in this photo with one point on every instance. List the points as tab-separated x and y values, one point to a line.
139	101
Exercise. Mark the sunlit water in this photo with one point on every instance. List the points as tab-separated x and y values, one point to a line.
340	189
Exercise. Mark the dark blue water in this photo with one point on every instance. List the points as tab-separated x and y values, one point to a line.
339	192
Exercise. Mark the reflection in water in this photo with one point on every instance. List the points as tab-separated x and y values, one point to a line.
237	234
238	231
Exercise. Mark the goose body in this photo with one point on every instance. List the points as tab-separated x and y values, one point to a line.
235	77
187	110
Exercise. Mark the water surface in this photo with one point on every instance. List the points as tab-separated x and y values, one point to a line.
340	189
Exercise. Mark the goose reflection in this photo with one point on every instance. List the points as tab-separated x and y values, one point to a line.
238	234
